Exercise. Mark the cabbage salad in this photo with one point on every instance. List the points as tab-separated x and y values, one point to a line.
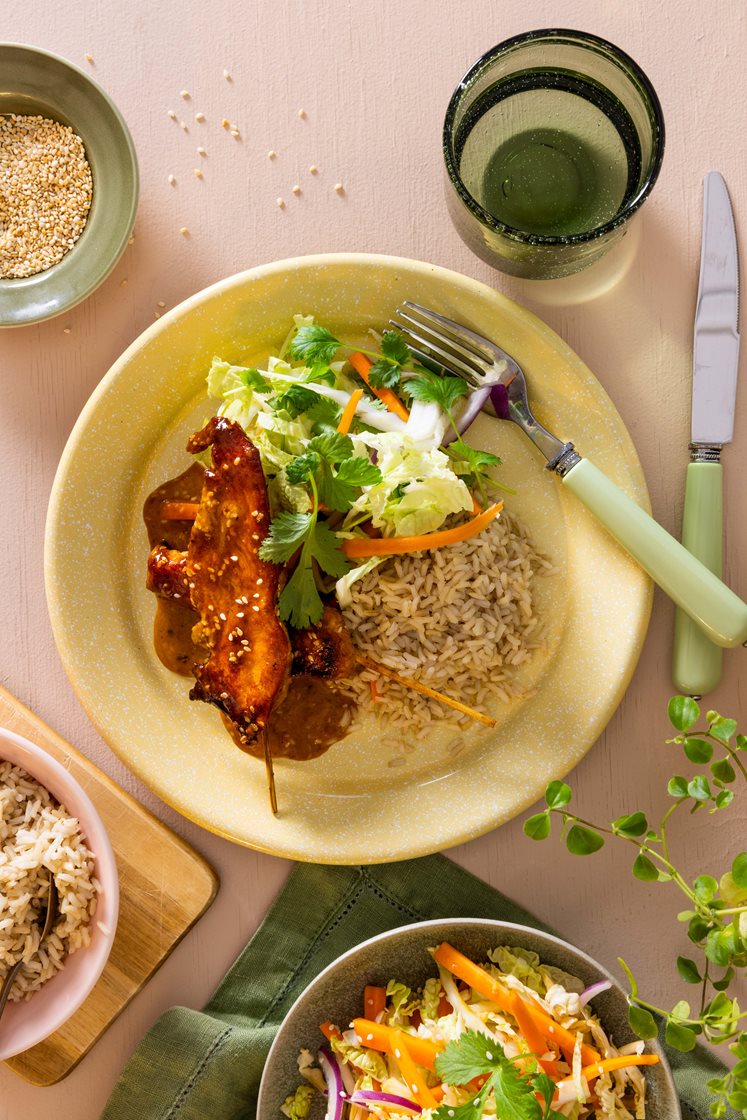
363	455
510	1039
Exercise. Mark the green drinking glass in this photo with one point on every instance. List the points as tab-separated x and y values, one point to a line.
552	141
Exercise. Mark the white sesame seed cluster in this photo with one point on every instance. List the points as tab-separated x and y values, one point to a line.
45	193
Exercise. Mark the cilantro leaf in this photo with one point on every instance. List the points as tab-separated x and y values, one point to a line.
384	374
296	399
324	415
514	1095
476	459
302	467
394	347
469	1056
300	603
337	489
333	447
314	345
443	391
253	379
326	548
287	532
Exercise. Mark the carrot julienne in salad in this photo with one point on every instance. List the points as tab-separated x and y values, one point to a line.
510	1038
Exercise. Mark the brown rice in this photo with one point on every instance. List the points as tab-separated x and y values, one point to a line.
37	836
460	619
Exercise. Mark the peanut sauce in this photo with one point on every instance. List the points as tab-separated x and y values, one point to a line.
313	714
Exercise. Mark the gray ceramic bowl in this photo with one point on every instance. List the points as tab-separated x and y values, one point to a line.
402	953
36	83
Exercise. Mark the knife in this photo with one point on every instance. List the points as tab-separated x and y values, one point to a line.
696	663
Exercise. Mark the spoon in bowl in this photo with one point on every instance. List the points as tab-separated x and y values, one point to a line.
49	920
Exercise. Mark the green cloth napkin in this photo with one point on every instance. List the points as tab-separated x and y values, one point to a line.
206	1065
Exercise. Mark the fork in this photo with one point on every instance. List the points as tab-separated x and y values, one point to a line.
49	920
490	370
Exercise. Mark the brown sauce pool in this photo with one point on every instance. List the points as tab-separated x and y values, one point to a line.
313	714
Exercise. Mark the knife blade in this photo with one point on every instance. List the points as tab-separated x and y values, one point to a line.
696	662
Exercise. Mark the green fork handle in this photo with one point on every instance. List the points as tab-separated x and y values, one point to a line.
696	662
688	582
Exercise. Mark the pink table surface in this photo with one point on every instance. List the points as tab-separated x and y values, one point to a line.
374	79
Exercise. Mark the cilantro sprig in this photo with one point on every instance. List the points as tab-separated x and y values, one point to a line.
473	1055
334	476
715	917
317	347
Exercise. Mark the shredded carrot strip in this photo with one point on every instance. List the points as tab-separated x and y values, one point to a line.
492	989
374	692
179	511
374	998
357	548
329	1030
378	1036
361	364
413	1077
416	686
622	1061
349	412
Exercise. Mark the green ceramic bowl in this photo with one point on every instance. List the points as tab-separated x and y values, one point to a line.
402	954
34	82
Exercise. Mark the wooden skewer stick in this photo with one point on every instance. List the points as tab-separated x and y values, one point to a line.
385	671
270	772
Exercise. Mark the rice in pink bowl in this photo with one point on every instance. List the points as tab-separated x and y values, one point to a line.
38	836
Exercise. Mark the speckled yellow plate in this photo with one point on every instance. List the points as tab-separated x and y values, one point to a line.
351	805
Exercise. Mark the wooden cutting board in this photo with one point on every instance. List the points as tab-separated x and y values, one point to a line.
165	886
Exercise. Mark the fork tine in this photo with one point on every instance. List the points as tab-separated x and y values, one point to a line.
449	361
477	344
450	345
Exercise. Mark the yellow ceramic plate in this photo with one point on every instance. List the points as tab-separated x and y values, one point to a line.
351	805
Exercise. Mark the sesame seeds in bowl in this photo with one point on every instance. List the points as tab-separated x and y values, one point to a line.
68	185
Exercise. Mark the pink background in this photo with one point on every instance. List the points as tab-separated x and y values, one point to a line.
374	79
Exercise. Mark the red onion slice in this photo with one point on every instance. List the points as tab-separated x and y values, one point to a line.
469	414
594	990
368	1096
336	1095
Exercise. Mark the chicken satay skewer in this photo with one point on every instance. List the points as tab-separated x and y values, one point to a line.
270	770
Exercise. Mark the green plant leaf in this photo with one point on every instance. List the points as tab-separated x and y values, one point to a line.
581	841
698	751
688	970
741	742
633	825
698	928
724	798
731	893
683	712
723	770
723	729
677	787
538	826
705	887
717	949
680	1038
558	795
644	869
699	789
642	1022
739	870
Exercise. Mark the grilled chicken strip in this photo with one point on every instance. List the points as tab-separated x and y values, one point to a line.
324	650
167	576
233	591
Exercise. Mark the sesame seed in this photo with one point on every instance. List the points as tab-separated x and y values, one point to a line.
489	1055
199	117
259	581
369	1038
156	314
47	191
172	180
88	57
281	203
198	174
123	283
296	189
272	154
313	170
302	114
237	461
414	1088
222	617
255	608
398	1053
239	614
227	76
184	231
66	330
201	152
235	559
183	126
131	239
185	94
339	188
172	114
225	123
161	303
235	133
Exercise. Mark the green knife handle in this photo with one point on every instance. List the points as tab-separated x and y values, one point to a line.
701	594
696	662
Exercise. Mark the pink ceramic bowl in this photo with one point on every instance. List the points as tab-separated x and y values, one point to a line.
25	1023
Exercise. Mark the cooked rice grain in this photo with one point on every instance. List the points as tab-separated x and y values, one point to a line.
38	836
460	619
